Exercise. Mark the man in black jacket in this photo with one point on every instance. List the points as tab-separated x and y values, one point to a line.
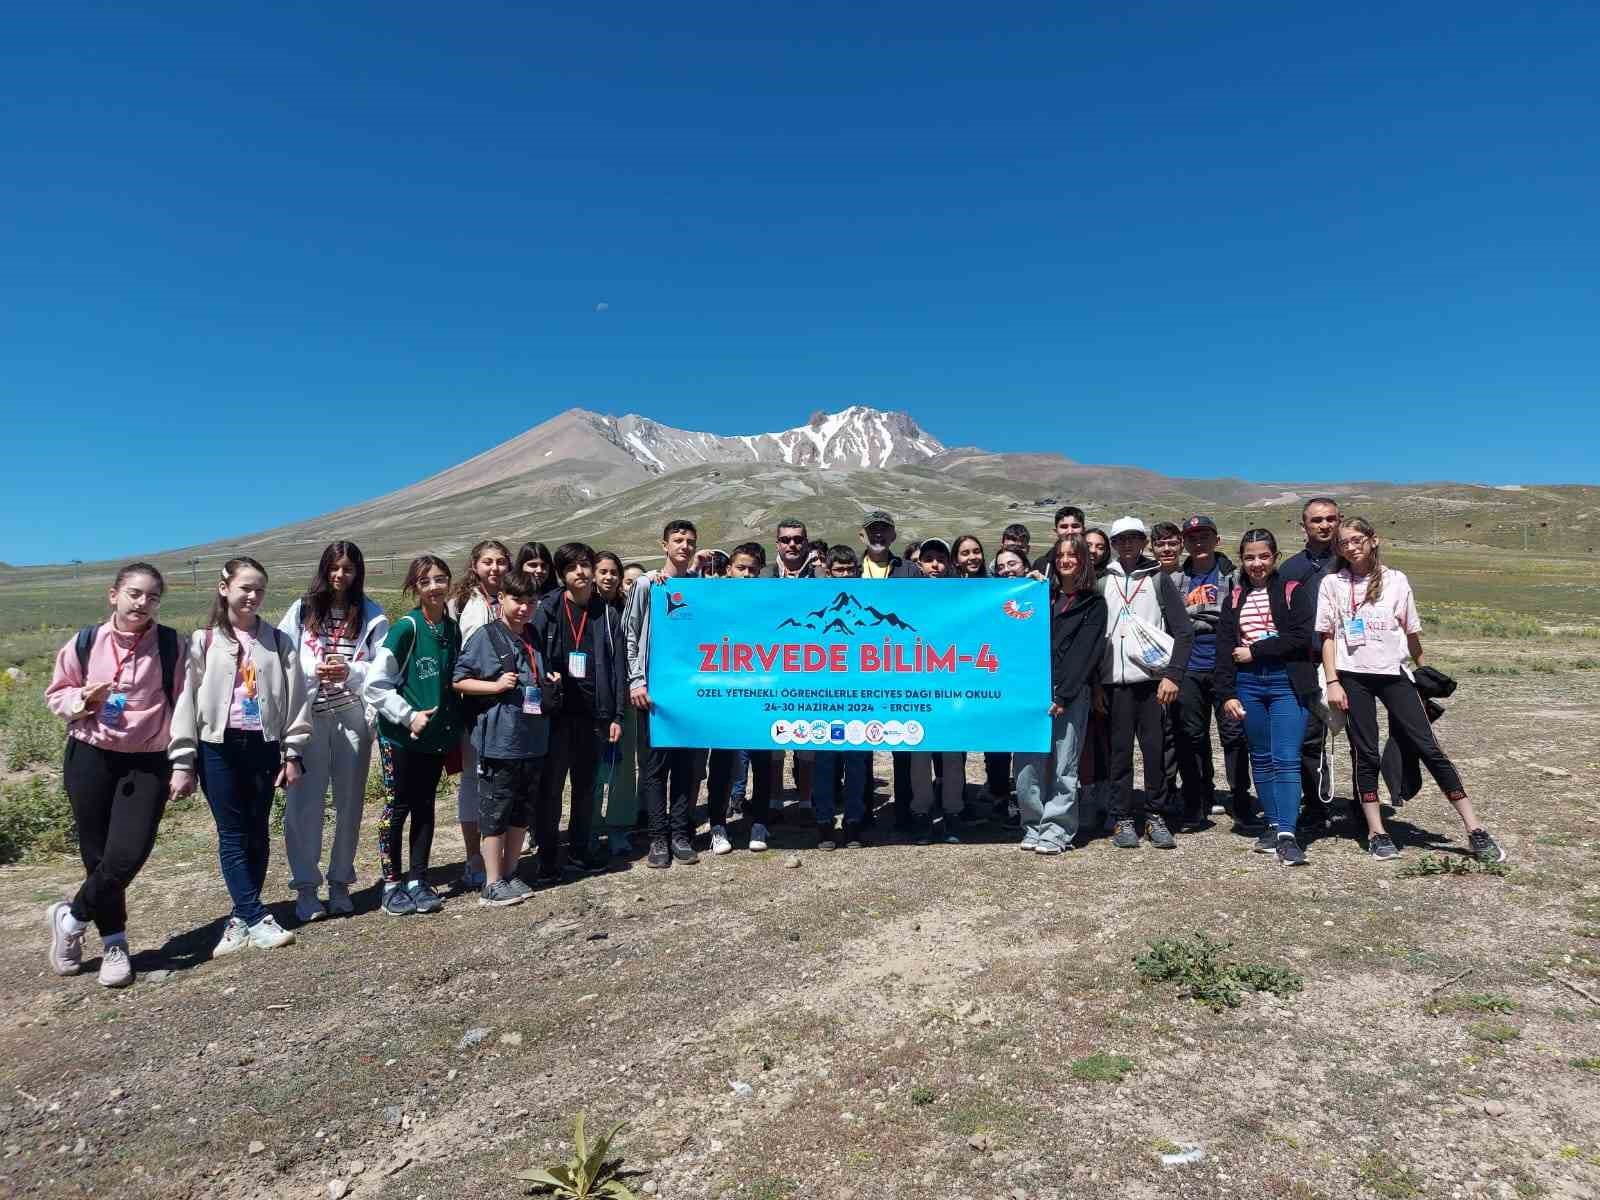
1319	518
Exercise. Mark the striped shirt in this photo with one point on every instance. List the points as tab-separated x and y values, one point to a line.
335	638
1255	617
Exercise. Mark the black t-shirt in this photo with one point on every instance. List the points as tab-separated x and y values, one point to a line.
578	694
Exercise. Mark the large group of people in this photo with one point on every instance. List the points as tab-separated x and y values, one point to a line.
527	677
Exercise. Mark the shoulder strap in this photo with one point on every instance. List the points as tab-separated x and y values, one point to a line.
1288	589
84	643
415	633
167	644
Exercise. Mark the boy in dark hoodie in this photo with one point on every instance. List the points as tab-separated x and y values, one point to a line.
1205	580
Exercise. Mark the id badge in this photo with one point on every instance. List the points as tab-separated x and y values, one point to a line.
1355	632
250	709
112	708
578	664
532	700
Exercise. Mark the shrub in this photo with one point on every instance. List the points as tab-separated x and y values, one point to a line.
1102	1068
35	818
1432	865
588	1175
1196	966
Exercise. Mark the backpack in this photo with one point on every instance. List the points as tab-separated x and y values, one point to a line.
166	645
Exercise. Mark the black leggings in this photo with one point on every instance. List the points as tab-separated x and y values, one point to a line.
1407	715
412	778
117	802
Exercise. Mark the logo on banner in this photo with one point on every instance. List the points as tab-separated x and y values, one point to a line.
1018	611
780	731
874	733
676	605
847	616
836	732
855	733
913	733
819	733
893	732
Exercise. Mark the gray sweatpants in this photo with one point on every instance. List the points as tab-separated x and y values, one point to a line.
338	754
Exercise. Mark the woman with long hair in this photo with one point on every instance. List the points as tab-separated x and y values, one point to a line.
616	787
474	602
967	557
241	726
535	561
1266	677
337	629
115	685
419	724
1369	618
1047	784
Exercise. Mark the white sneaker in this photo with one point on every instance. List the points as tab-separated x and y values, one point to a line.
758	836
719	840
66	949
307	907
267	934
339	902
235	936
115	969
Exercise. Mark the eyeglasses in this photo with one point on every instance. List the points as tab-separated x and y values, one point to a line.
1355	539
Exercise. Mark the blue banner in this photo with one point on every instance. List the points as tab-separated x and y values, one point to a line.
851	664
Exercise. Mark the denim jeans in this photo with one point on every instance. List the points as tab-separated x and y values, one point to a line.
857	765
1047	784
741	774
237	775
1275	725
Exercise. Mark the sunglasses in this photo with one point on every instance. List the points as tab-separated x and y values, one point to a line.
792	541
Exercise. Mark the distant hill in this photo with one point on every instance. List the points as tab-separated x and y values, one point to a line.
612	481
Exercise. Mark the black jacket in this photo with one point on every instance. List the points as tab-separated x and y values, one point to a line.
1308	568
610	667
1294	615
1077	639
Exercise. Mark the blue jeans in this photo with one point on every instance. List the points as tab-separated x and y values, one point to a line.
237	776
1275	726
1047	784
856	765
741	775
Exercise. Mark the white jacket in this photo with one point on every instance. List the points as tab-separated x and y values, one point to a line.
374	628
201	714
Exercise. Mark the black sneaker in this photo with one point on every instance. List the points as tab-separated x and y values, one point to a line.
1160	836
825	837
397	902
1382	848
424	897
946	832
969	814
922	830
683	850
853	839
1484	848
592	862
1126	837
1267	843
549	875
659	857
1289	852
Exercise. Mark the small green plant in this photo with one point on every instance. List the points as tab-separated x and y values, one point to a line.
1585	1064
1476	1002
922	1095
1197	967
35	819
1432	865
1102	1068
589	1174
1497	1032
1388	1177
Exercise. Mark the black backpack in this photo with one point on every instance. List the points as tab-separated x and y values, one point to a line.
167	644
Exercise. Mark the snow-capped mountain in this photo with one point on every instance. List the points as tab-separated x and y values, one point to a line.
857	437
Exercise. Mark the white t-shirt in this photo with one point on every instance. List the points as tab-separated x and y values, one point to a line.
1381	643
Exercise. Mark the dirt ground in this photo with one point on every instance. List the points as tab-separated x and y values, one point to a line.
906	1019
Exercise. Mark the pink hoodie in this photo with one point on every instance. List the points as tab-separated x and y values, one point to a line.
145	727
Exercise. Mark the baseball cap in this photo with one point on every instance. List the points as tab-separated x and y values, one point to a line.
877	517
939	542
1199	521
1128	525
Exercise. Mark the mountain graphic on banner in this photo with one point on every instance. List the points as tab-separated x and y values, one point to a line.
845	615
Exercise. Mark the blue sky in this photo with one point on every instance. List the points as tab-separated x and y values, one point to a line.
259	263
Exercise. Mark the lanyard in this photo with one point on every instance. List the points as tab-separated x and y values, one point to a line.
322	642
1128	600
1353	605
245	664
119	662
577	633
